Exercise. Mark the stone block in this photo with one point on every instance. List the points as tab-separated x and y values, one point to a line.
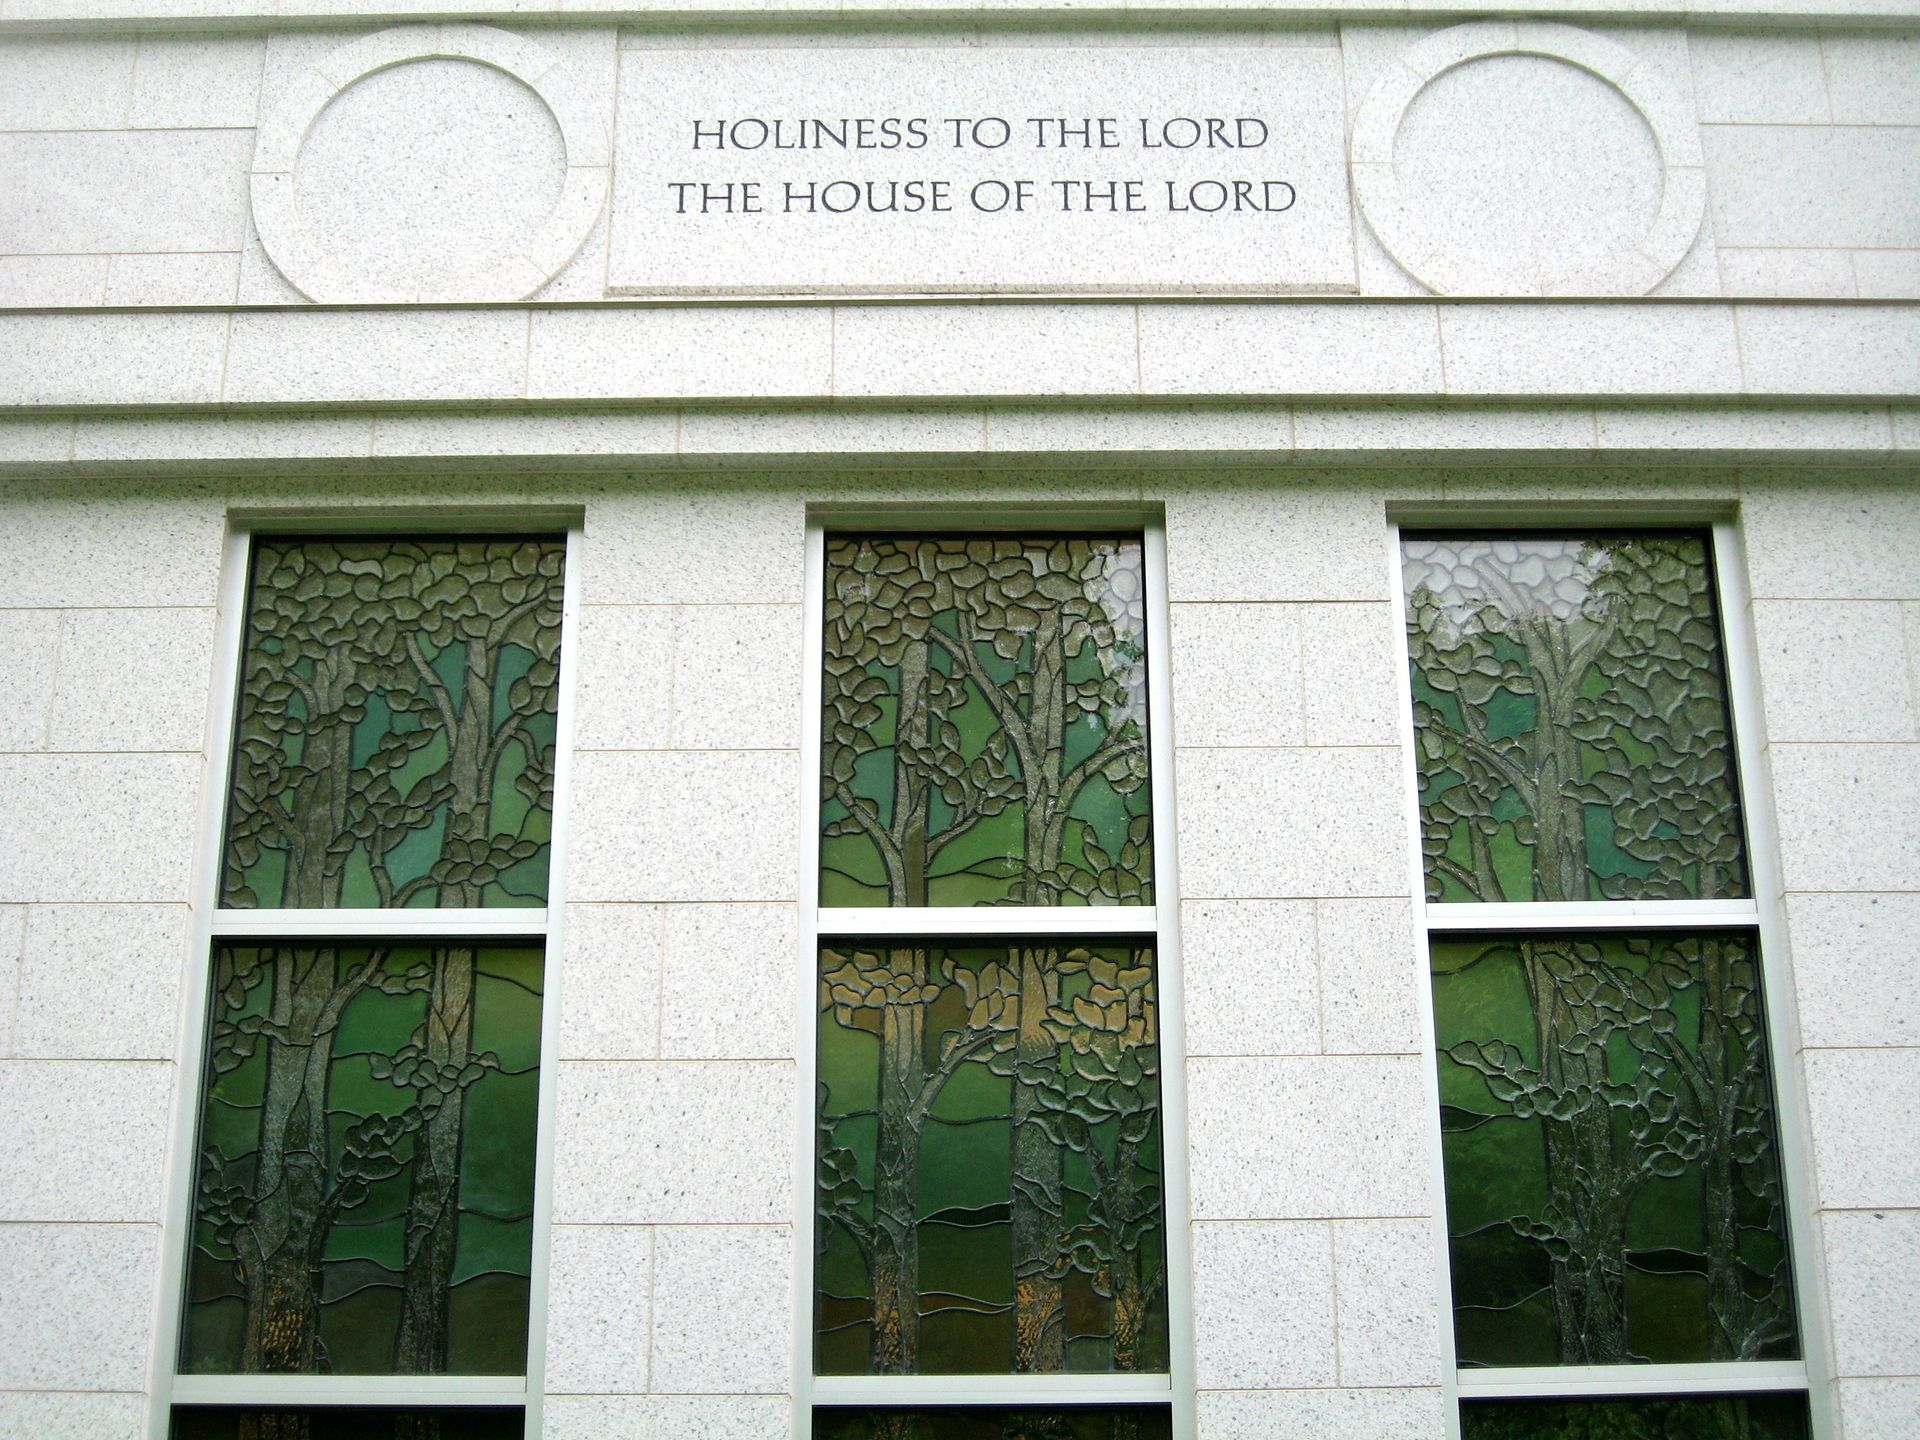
1856	968
181	441
1249	981
1871	76
1370	978
668	1417
1236	675
1254	823
736	677
1824	670
1386	1276
110	549
1849	815
101	982
1248	541
610	983
722	352
1590	350
1294	349
1141	429
1873	1273
1813	186
123	829
75	1305
984	350
641	818
1309	1137
600	1293
653	1143
624	692
723	1307
73	1415
1813	542
29	675
728	987
1419	431
695	545
197	82
1831	350
1349	668
210	279
84	1140
742	436
27	281
1861	1106
57	83
360	356
168	358
1710	433
1788	274
133	680
35	440
514	439
1748	78
79	192
1263	1306
1322	1414
1877	1409
1887	274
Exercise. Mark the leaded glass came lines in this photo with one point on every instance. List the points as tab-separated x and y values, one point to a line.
984	736
364	1201
396	733
1570	708
1613	1173
988	1195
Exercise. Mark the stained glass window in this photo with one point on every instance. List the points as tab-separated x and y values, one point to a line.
1090	1422
989	1164
396	730
245	1422
1570	710
1714	1417
1612	1168
364	1201
984	727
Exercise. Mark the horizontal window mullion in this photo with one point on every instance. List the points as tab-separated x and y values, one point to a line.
1593	915
989	1389
394	1390
988	920
505	923
1719	1377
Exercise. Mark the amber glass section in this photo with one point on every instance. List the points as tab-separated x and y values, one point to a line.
1570	708
1090	1422
989	1161
1709	1417
1612	1169
396	729
984	736
365	1191
245	1422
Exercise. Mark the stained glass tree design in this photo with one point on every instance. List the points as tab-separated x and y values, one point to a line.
984	723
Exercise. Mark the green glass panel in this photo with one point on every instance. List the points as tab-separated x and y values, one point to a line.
1715	1417
989	1161
226	1422
396	731
1612	1167
1086	1422
1570	705
984	727
365	1192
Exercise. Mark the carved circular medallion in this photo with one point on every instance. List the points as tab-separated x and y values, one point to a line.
429	162
1511	158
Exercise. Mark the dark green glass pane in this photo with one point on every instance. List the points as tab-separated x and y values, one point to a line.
1088	1422
209	1422
365	1192
984	735
989	1161
1612	1168
1570	705
396	730
1716	1417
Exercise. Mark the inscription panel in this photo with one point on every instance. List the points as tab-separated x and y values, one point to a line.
937	171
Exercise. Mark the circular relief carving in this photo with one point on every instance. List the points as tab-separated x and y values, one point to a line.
1503	158
441	162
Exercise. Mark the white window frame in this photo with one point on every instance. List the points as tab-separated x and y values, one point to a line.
1761	916
213	923
1157	923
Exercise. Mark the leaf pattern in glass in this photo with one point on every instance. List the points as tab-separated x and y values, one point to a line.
1570	714
365	1191
1715	1417
1612	1169
984	735
396	729
956	1422
988	1196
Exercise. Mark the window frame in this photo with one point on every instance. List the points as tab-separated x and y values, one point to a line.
1157	923
1761	916
213	924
